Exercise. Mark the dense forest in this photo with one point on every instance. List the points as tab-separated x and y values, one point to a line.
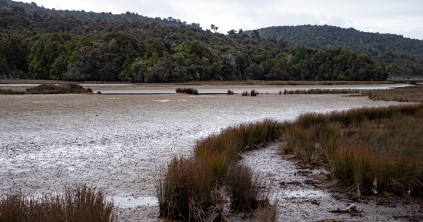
39	43
402	56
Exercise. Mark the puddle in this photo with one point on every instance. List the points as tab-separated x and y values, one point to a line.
133	202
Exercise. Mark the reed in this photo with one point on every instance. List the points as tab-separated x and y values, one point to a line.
185	188
79	203
409	94
370	148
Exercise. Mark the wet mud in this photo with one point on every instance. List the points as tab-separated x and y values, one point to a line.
119	144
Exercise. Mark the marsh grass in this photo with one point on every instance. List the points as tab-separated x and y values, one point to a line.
186	188
66	88
11	92
187	91
366	147
76	204
409	94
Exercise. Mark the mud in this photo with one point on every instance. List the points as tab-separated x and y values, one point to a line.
119	143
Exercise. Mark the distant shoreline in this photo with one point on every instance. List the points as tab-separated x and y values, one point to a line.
243	82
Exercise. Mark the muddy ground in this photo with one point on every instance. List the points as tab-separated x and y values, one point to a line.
119	143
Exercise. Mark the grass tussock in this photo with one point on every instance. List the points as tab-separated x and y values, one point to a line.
187	91
187	188
409	94
230	92
375	149
66	88
76	204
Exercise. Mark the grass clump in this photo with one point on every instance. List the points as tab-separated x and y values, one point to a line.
187	91
371	148
245	93
187	188
254	93
10	92
76	204
66	88
230	92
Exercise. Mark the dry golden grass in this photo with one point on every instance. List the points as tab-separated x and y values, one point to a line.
412	94
376	149
76	204
185	189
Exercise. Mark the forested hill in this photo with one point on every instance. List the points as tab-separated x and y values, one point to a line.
45	46
335	37
403	55
92	16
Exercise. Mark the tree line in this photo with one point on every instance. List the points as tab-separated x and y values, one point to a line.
38	46
402	56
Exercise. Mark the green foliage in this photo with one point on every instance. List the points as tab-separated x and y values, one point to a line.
103	47
401	56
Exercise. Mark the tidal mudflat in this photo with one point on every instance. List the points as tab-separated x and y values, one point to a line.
118	143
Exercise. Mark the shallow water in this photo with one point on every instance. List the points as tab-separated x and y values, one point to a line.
120	143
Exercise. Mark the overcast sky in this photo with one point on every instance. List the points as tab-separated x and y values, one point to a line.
403	17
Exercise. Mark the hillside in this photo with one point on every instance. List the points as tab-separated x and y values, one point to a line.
92	16
36	45
403	56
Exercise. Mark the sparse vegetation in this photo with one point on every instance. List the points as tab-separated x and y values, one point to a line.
79	203
187	91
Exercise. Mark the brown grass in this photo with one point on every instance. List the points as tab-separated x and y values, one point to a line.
186	187
10	92
372	148
76	204
409	94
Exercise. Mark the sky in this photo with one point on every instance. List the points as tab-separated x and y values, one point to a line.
402	17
